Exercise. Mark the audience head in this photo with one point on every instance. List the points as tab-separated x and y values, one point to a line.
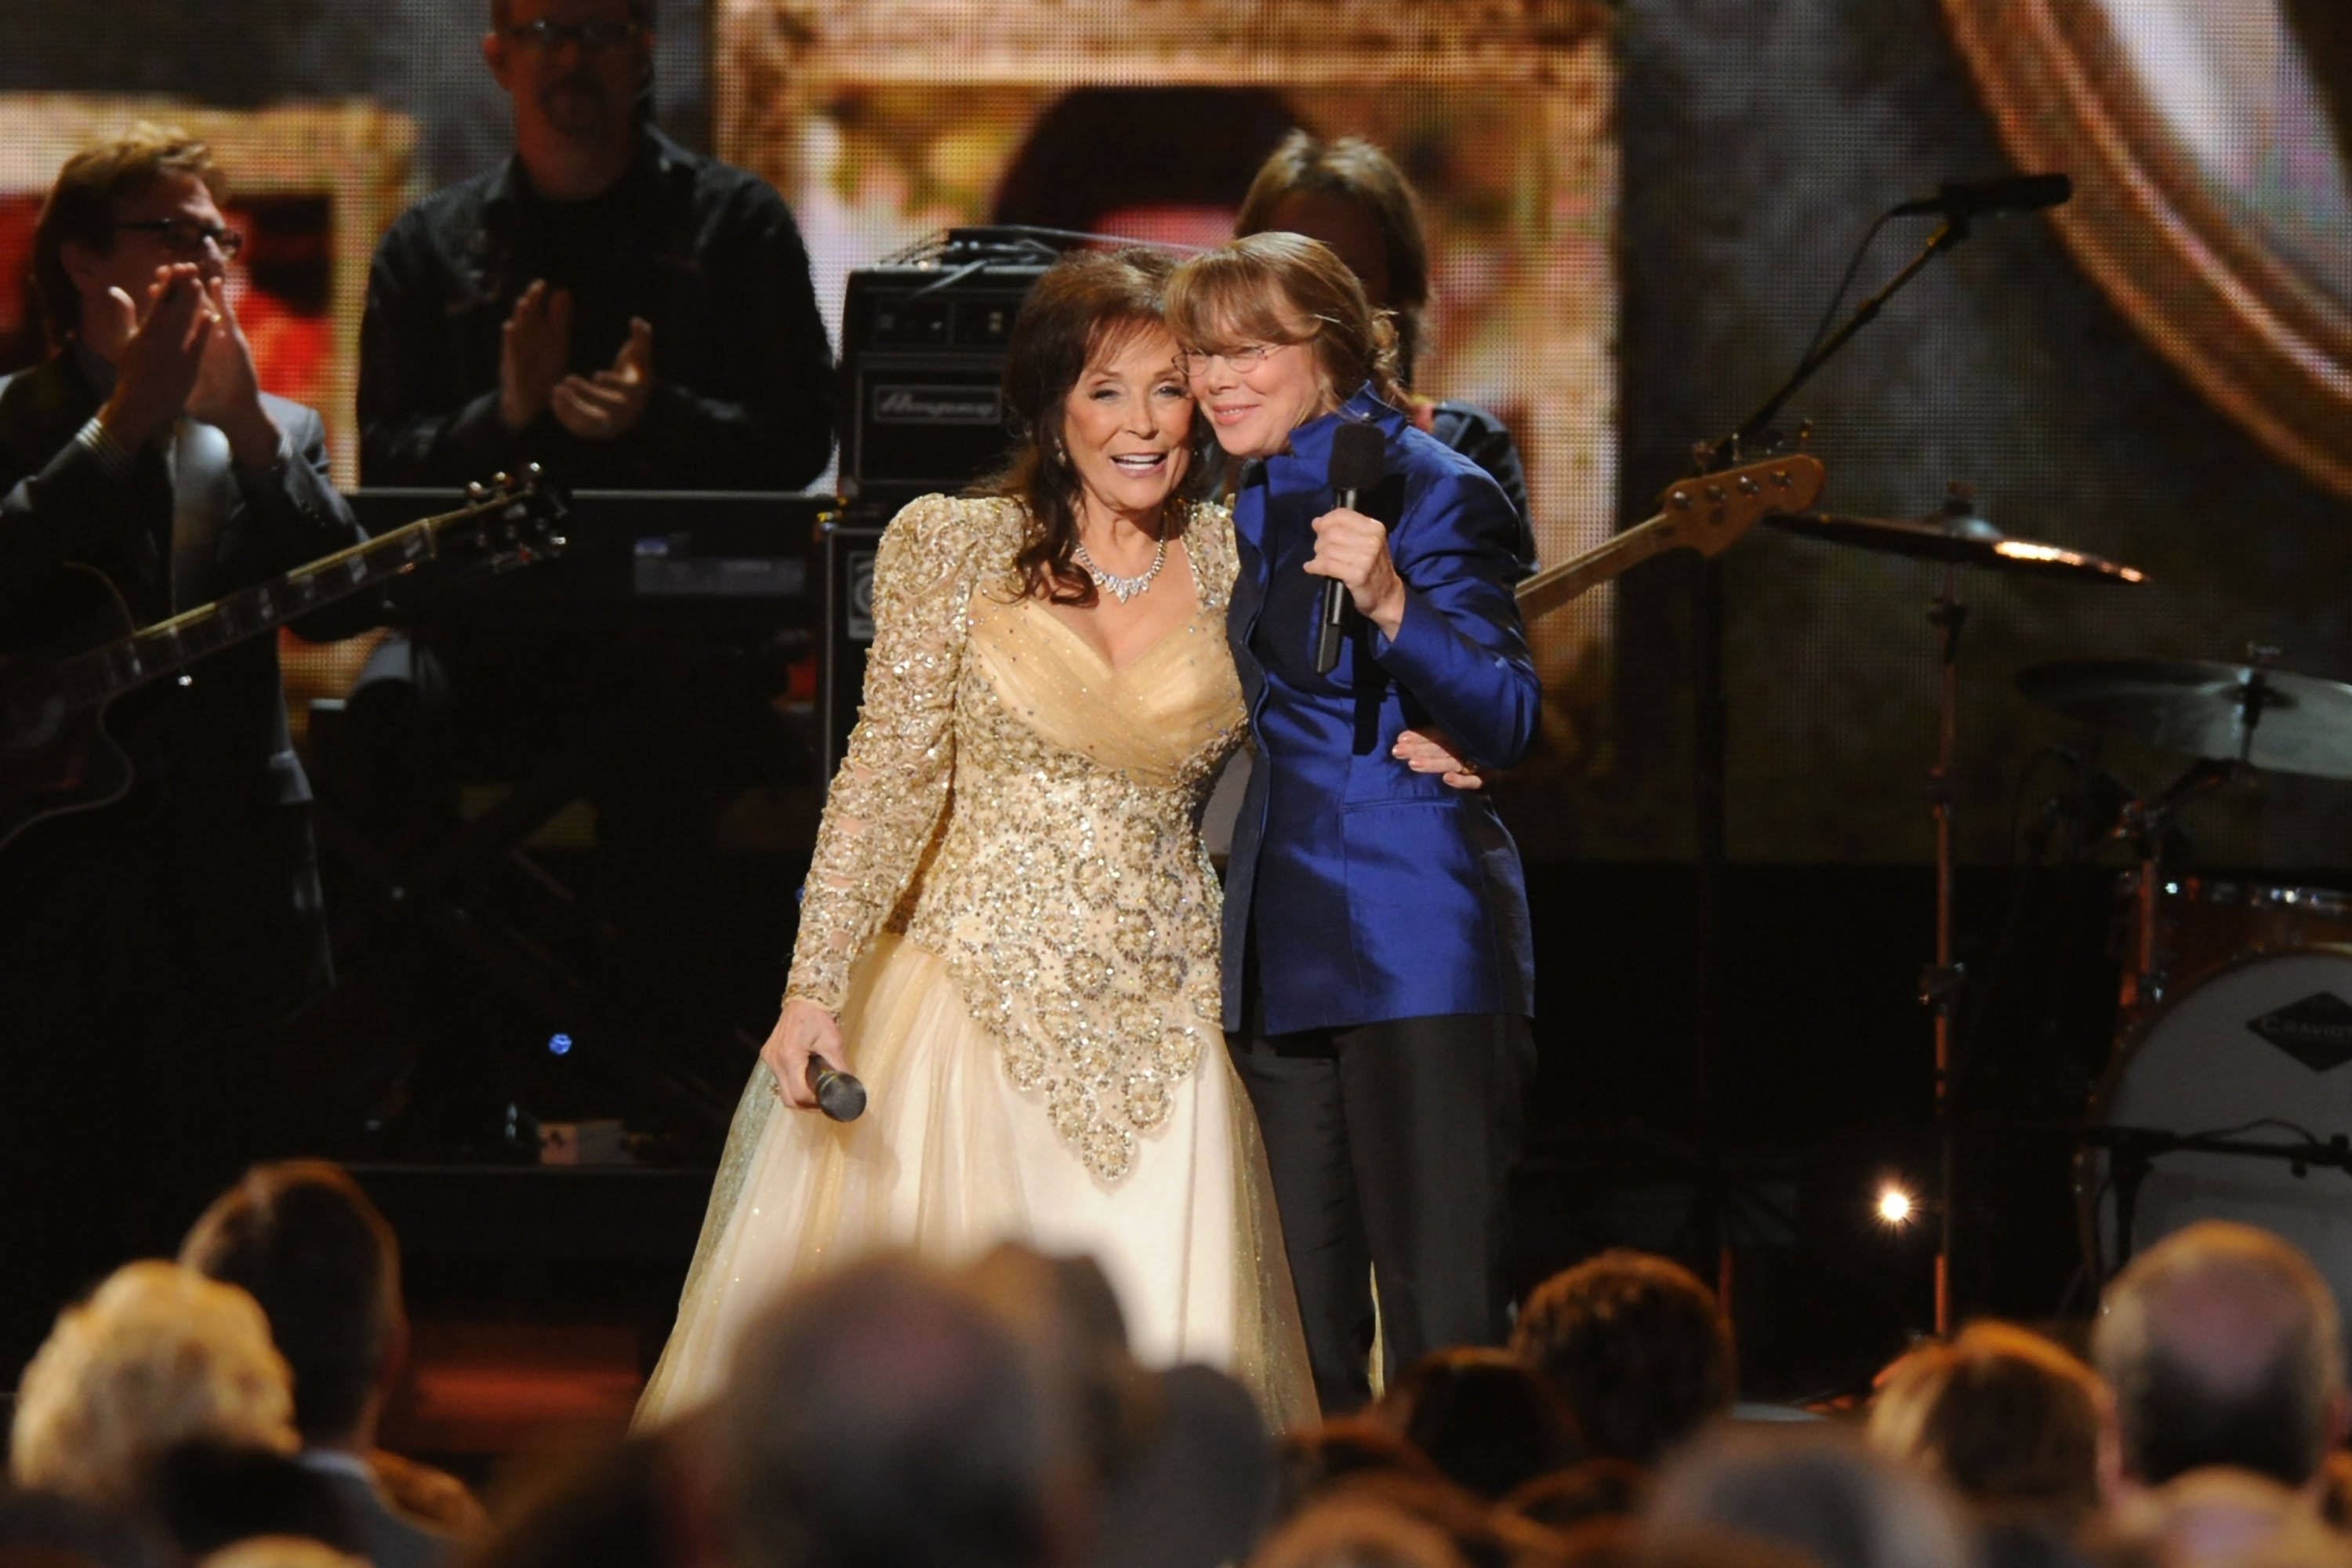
303	1239
47	1530
880	1417
1637	1346
2222	1516
1589	1490
158	1356
281	1552
1484	1418
1357	1530
641	1502
2007	1418
1064	1312
1309	1463
1830	1498
81	245
208	1496
1347	193
2219	1343
1094	320
1276	331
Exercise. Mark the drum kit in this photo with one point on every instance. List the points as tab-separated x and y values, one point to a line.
2222	1093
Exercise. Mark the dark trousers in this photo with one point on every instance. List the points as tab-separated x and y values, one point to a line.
1390	1146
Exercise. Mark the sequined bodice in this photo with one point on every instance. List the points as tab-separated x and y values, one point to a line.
1032	816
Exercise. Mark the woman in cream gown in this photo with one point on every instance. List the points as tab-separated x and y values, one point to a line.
1011	916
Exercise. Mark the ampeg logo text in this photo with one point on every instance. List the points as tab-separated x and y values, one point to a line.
937	406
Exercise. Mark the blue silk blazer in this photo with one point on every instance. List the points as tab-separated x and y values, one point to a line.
1364	890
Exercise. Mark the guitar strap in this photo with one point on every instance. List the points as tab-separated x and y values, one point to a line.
202	490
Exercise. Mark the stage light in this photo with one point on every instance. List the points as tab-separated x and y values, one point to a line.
1895	1206
559	1044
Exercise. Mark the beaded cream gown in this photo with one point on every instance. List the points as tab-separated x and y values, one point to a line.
1011	911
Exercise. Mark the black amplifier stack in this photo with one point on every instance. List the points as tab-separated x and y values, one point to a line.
922	350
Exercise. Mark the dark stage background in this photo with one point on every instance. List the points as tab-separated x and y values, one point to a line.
1755	141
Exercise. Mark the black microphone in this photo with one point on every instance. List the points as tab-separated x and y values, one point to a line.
1971	198
838	1095
1358	458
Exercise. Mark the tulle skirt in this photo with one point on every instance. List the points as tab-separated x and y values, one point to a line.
951	1158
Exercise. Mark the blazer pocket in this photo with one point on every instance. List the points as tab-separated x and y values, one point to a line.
1378	779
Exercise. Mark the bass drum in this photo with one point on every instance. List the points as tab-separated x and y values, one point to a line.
2258	1050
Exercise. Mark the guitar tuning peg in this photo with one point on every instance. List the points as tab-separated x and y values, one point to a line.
1804	431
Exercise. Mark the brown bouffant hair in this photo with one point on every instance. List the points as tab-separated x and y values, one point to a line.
2009	1419
81	208
1085	309
1637	1347
1285	288
1353	170
301	1238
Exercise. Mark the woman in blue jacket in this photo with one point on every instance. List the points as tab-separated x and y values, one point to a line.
1378	974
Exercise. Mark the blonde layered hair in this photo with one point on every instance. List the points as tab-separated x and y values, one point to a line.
158	1356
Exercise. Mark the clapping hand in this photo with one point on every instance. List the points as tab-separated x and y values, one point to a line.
803	1030
533	347
228	392
610	401
158	351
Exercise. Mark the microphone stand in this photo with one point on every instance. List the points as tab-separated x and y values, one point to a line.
1708	749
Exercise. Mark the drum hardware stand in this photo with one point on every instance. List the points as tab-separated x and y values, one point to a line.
1708	751
1940	981
2146	824
2133	1151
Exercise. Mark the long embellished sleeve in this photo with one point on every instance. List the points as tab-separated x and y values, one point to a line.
887	799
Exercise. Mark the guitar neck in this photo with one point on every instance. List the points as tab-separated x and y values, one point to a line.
1556	585
106	672
1706	513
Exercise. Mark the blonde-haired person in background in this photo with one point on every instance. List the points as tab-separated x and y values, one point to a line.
158	1356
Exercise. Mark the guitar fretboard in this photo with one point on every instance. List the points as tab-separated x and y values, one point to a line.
102	674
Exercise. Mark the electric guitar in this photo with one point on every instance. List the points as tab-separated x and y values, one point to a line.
55	755
1706	514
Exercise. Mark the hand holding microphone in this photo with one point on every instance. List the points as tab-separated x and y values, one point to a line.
797	1054
1350	548
838	1095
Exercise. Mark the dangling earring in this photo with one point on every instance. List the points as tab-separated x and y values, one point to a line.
1061	453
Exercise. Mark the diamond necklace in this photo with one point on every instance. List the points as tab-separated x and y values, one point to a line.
1118	587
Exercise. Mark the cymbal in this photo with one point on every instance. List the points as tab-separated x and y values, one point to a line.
1974	543
2232	712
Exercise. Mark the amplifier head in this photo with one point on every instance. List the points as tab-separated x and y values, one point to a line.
922	354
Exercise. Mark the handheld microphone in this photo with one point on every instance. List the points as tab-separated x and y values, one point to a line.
1358	456
1972	198
838	1095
